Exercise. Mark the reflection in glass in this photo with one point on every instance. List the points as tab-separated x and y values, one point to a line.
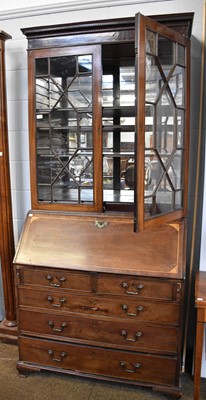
153	80
107	90
151	43
176	85
165	127
180	127
166	53
175	169
149	126
42	66
127	86
178	199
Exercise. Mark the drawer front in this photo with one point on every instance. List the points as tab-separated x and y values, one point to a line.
99	361
139	287
50	278
137	309
123	333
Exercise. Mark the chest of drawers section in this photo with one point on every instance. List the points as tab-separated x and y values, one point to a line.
108	326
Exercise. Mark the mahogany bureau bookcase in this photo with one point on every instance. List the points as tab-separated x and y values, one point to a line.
100	266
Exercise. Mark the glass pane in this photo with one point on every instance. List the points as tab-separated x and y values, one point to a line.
107	90
42	90
181	55
149	126
154	171
178	199
127	86
79	92
164	197
165	117
166	53
85	63
153	80
180	128
62	67
151	45
175	170
64	129
42	66
177	84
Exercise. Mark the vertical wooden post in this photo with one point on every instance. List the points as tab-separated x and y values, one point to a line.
7	248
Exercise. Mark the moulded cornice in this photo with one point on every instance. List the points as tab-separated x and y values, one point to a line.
4	36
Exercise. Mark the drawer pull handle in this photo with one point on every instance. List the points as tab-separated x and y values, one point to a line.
58	305
62	355
125	308
135	366
138	289
55	282
136	336
51	325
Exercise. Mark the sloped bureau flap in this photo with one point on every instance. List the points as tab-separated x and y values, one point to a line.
101	244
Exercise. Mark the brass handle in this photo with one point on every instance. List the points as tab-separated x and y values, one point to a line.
136	336
55	282
51	325
58	305
125	308
62	355
135	366
139	287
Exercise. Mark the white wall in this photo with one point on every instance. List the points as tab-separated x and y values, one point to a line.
51	12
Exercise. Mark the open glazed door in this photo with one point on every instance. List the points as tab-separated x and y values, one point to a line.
162	127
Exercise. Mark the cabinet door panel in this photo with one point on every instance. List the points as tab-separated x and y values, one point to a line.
65	170
162	79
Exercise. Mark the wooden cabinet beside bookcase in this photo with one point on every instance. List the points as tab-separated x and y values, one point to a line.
100	265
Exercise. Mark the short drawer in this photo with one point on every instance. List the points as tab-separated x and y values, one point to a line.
119	333
139	287
55	278
137	309
125	365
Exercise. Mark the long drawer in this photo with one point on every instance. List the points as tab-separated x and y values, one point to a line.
138	309
119	333
126	365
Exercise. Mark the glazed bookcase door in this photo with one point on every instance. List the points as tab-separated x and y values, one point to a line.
64	98
162	123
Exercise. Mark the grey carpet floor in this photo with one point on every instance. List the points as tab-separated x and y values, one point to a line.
51	386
